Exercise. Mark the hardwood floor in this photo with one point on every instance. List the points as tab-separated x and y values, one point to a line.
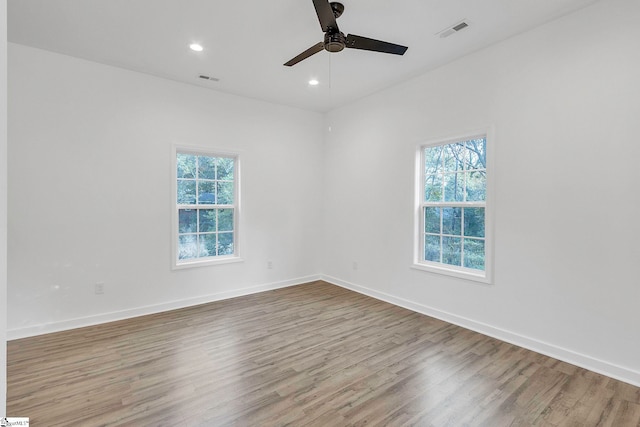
313	354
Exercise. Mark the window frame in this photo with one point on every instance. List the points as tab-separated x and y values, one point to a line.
419	263
177	264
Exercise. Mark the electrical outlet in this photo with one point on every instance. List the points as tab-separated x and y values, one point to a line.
99	288
354	265
270	265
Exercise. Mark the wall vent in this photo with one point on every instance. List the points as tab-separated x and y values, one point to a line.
459	26
213	79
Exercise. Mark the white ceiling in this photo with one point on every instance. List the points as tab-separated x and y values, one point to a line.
246	42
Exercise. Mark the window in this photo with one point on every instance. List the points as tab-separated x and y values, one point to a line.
452	215
206	208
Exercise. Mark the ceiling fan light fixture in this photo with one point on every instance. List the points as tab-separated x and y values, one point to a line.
334	42
334	47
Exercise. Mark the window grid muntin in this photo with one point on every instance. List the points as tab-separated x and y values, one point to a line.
444	171
217	232
198	206
441	171
196	179
462	236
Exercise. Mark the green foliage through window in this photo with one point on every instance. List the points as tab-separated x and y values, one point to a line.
206	206
454	204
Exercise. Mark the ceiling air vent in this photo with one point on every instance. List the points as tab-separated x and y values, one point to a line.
213	79
459	26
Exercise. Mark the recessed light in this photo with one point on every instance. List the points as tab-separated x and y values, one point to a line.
313	82
196	47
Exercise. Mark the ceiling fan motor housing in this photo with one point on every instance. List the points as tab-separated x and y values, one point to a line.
334	42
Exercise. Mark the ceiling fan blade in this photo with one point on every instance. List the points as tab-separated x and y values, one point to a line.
325	15
307	53
365	43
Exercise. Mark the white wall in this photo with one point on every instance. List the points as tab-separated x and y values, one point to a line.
3	206
564	100
90	199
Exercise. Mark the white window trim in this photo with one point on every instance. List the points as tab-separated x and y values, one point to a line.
210	261
486	276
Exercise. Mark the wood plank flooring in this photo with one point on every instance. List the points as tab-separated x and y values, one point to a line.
309	355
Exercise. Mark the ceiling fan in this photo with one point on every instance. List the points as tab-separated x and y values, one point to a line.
335	40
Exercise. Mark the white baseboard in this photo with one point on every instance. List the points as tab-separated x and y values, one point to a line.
13	334
596	365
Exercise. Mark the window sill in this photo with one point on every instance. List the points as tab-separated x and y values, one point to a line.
481	277
207	263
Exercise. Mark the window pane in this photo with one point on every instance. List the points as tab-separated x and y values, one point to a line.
186	166
188	221
477	156
225	169
206	230
207	244
452	221
432	248
432	220
187	246
474	253
225	244
451	250
206	167
474	222
476	186
432	160
454	155
206	192
454	203
225	219
225	193
433	188
186	192
453	187
207	220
